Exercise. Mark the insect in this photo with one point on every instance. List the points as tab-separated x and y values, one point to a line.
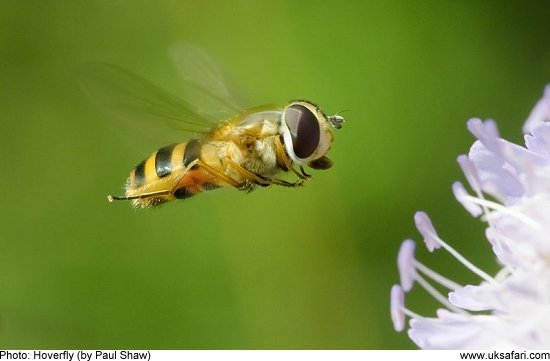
244	150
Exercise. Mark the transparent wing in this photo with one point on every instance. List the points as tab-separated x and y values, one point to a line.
204	84
139	104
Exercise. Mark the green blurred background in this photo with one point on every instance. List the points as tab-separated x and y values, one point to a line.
278	268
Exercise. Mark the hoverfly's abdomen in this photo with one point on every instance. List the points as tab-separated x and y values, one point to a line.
166	172
159	165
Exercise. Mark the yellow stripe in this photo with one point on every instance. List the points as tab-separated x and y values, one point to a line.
177	156
150	171
132	177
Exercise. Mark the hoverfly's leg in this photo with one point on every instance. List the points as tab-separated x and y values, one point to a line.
188	167
221	175
282	159
285	163
212	171
253	177
260	180
302	175
284	183
307	176
112	198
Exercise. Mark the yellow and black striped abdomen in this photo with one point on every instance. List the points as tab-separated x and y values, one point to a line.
166	170
164	161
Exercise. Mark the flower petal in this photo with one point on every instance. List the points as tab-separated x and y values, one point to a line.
473	298
454	331
470	172
539	140
486	132
496	179
464	198
540	113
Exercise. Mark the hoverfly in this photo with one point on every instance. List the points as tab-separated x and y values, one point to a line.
245	150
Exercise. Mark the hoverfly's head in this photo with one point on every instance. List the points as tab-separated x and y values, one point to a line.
307	133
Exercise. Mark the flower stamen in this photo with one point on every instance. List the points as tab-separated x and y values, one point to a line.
438	296
426	229
500	208
444	281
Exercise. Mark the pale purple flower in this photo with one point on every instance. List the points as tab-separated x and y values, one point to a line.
512	308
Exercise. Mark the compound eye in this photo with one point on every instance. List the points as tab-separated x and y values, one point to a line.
304	130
